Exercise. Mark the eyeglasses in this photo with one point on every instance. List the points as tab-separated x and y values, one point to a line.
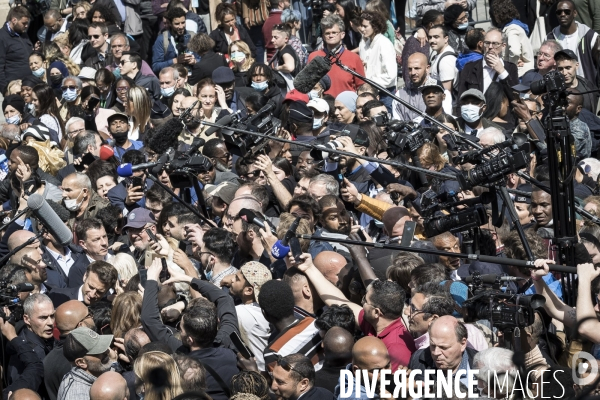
94	37
331	33
566	12
69	88
90	314
414	310
285	365
545	56
253	174
76	132
493	45
122	88
122	62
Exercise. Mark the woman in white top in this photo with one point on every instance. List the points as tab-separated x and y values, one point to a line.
46	110
378	54
518	50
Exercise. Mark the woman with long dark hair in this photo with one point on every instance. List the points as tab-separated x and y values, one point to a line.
498	107
46	110
229	30
350	14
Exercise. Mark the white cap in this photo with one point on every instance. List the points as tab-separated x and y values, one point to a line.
319	104
87	73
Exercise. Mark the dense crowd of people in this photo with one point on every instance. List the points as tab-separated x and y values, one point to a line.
175	284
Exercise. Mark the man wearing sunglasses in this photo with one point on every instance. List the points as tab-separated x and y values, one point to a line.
131	65
576	37
98	36
69	316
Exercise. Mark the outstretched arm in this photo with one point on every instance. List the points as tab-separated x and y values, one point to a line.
587	322
555	307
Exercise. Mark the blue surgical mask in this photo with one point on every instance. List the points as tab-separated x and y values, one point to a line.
313	94
238	56
117	73
69	95
39	72
464	26
317	123
208	274
260	85
15	120
470	112
167	92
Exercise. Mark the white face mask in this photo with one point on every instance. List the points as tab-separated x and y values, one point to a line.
313	94
470	112
15	120
72	204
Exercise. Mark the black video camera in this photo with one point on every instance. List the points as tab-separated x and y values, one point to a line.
406	136
242	144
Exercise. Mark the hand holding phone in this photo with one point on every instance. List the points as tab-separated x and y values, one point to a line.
164	272
240	346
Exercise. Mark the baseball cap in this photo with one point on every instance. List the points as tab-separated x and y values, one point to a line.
319	104
92	341
139	217
295	95
115	116
225	191
223	75
473	93
569	54
300	112
432	84
256	274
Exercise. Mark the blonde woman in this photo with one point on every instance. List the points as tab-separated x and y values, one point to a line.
52	52
239	52
14	87
62	41
138	108
126	267
81	10
126	313
144	367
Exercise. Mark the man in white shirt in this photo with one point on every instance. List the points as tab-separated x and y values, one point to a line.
443	58
254	328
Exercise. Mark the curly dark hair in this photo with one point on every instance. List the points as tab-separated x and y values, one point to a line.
251	382
107	15
276	300
335	315
376	19
389	297
504	11
513	247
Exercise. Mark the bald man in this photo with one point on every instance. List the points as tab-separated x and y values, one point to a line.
109	386
337	348
447	349
24	394
69	316
368	354
418	72
30	257
333	266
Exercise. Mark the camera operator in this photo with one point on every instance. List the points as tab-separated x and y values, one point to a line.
38	316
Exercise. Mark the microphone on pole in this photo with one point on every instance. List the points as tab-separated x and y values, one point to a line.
490	278
48	217
282	247
251	218
310	75
127	169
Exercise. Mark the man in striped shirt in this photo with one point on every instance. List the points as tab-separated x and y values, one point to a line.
293	335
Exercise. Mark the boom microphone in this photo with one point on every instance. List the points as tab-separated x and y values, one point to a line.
282	247
253	219
226	120
308	77
490	278
21	287
126	170
48	217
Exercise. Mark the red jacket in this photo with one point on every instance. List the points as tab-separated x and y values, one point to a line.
267	29
340	79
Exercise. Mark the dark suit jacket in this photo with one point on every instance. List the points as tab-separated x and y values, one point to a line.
77	271
471	76
221	45
60	296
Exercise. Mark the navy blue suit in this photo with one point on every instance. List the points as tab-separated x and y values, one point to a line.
77	271
60	296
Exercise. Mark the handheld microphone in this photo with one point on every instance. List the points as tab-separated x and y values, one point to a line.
21	287
282	247
48	217
126	170
251	218
490	278
310	75
226	120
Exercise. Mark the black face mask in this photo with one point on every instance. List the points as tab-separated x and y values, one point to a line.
56	79
120	137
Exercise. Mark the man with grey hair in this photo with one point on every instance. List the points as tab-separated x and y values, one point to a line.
168	81
447	349
119	43
80	199
491	68
11	132
490	136
37	338
545	61
84	142
497	372
334	32
322	185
